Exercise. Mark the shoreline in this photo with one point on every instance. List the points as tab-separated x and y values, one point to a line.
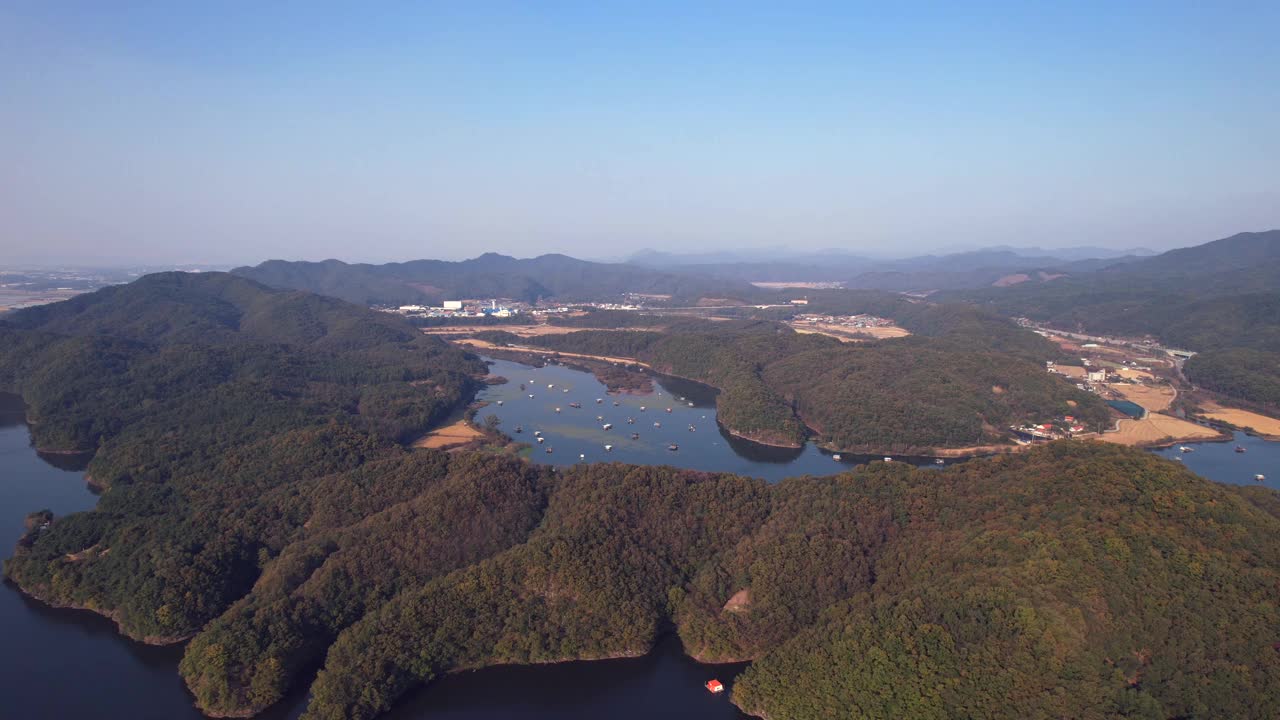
112	615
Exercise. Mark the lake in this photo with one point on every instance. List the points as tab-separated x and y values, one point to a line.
578	435
66	663
72	664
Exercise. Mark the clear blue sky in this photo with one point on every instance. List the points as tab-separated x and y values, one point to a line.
229	132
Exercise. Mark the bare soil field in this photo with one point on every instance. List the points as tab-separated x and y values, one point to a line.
485	345
1155	398
459	433
848	334
1157	428
1261	424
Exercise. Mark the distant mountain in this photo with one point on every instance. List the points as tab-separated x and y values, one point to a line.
490	275
1219	294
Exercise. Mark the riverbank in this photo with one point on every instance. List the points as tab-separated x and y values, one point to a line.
459	432
1265	427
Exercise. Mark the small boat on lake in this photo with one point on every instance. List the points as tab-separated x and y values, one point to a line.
557	409
519	429
1259	477
657	424
607	426
939	461
1185	449
599	400
616	403
635	436
575	405
715	686
888	459
673	447
499	403
1240	448
836	457
608	448
540	440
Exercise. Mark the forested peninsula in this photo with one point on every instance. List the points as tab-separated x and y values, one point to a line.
260	503
957	383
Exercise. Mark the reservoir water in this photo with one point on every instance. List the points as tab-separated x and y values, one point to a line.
72	664
678	412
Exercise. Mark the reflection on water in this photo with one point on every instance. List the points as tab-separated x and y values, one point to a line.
679	414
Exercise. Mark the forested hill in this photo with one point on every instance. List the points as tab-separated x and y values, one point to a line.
490	275
188	350
1217	295
959	383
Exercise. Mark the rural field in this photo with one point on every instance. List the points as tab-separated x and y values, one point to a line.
1243	419
1155	428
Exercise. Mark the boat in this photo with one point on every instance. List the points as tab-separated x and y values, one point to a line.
557	409
616	403
641	408
550	385
939	461
537	432
1239	448
631	421
715	686
499	403
549	450
582	456
519	429
1259	477
692	429
599	418
530	394
888	459
1185	449
575	405
635	436
668	409
690	404
608	448
607	426
565	390
836	457
673	447
540	440
599	400
657	424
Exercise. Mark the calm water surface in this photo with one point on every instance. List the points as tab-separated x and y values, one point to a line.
70	664
578	435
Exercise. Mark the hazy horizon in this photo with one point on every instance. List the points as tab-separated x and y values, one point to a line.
229	135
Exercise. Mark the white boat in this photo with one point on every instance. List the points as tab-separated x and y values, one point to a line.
939	461
557	409
888	459
608	448
836	457
1185	449
540	440
599	400
690	404
607	426
530	394
499	403
657	424
1259	477
550	385
641	408
582	456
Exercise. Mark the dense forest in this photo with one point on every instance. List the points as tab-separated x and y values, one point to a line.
962	379
1252	375
257	501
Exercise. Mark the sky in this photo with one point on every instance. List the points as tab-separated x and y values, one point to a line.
158	132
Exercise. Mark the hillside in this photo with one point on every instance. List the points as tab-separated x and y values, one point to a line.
963	378
490	275
257	501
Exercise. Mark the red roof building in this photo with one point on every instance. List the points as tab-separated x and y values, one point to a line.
715	686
